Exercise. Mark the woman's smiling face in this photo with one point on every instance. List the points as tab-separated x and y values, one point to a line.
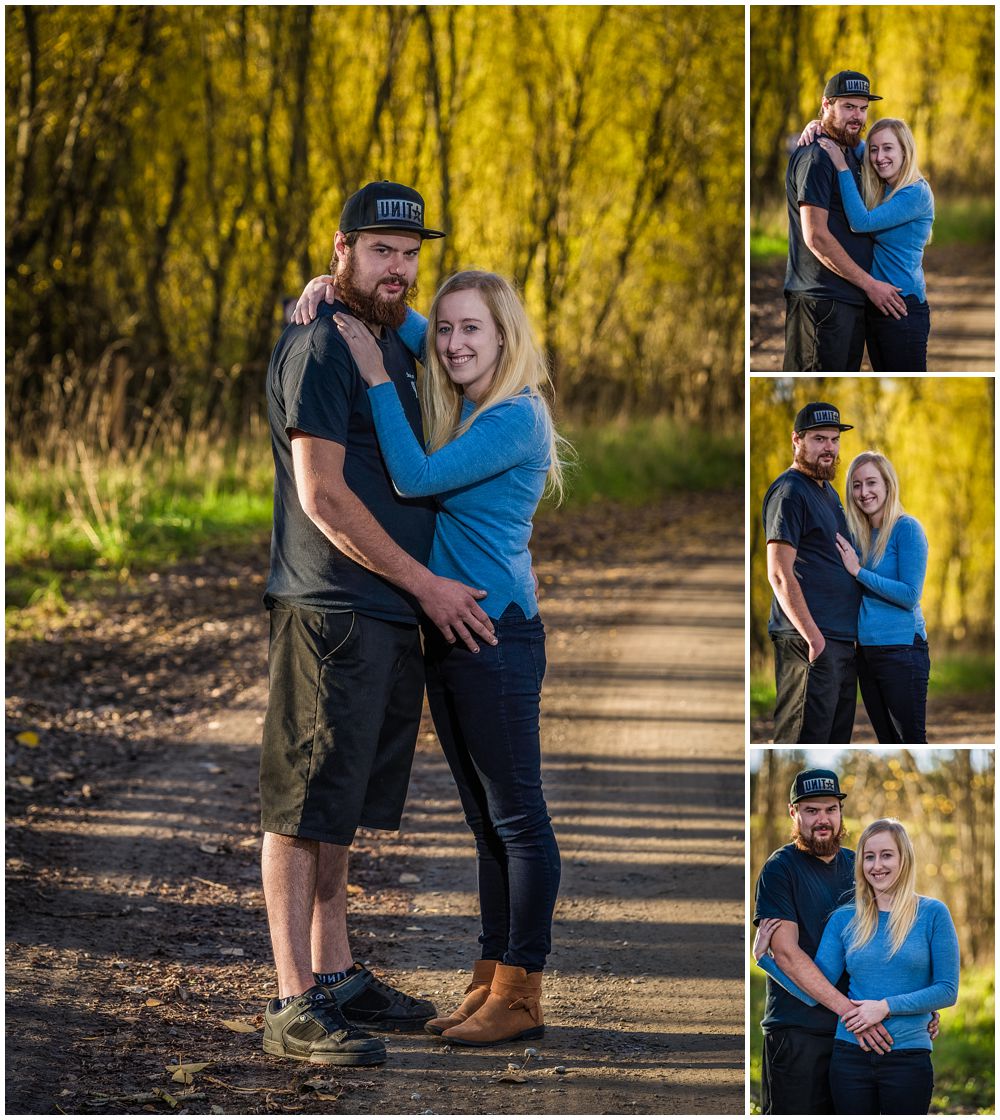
885	154
881	861
869	492
468	342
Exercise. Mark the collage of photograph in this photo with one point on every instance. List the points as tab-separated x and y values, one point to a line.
500	547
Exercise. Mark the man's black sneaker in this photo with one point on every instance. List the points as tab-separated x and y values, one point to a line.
312	1028
368	1002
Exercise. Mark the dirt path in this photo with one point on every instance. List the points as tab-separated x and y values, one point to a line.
960	291
135	917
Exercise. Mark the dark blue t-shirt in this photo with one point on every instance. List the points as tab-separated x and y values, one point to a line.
313	386
798	887
808	516
811	178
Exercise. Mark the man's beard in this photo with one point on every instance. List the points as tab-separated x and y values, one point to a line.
368	306
827	847
820	471
840	135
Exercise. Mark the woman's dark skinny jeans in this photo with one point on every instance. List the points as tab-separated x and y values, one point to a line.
894	683
899	1083
485	707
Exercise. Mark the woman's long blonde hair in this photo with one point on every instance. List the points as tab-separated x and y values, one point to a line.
858	524
904	895
873	188
521	366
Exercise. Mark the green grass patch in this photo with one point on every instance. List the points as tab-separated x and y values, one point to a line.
964	1072
767	245
957	221
951	675
640	461
964	221
956	673
74	528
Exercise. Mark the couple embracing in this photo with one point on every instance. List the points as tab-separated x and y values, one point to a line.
859	216
400	505
858	965
847	586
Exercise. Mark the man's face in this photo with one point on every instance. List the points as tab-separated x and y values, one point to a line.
844	118
818	825
817	452
377	274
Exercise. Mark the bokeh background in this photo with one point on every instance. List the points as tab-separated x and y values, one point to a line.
939	434
175	173
945	798
935	69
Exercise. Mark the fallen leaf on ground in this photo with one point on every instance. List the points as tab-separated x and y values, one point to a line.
153	1002
28	739
183	1072
240	1027
409	877
26	780
231	952
209	849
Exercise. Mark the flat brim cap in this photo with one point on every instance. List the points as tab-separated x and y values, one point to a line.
386	206
820	414
815	783
850	83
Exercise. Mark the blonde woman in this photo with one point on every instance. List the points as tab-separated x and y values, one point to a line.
900	951
491	450
890	564
896	206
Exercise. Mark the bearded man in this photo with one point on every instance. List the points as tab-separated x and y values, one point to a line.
346	585
814	610
828	275
802	884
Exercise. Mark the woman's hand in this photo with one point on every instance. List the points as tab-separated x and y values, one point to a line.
765	931
809	134
866	1013
848	555
364	348
321	289
835	153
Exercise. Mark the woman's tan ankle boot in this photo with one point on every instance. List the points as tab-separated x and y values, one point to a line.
512	1010
475	997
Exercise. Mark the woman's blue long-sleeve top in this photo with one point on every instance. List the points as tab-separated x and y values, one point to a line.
488	482
920	978
890	611
901	226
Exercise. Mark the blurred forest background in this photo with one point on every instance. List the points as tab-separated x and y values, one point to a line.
945	798
939	434
174	173
934	67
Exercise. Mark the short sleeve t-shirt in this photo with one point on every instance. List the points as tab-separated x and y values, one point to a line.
799	887
809	516
313	386
812	179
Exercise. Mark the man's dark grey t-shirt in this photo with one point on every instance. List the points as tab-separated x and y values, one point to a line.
809	516
313	386
799	887
811	178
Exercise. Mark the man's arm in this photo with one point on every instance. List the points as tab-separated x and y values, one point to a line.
799	968
787	590
824	246
344	520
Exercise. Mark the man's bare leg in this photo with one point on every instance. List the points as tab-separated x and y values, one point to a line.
288	869
331	949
